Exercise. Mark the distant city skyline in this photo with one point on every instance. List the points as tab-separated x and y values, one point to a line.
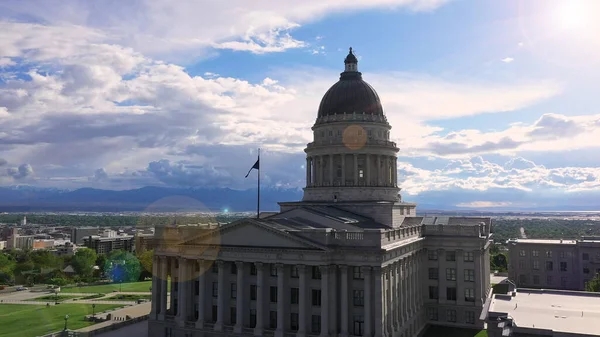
492	103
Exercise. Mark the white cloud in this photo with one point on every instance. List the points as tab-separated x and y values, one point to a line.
507	59
484	204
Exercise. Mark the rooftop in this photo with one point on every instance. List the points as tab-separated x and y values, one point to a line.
560	311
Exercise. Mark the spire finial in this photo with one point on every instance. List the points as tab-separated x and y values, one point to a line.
350	50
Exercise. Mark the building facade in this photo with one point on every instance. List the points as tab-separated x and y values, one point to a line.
553	264
350	259
103	245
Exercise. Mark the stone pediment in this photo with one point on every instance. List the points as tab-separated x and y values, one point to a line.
253	233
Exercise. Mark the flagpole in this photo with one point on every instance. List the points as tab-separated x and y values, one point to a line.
258	191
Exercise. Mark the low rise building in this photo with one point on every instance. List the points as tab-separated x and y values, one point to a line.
105	245
553	264
542	313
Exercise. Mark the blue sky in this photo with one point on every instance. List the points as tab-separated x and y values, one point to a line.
493	103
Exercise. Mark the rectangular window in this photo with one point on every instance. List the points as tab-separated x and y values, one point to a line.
316	297
451	315
234	268
294	295
196	288
294	321
434	293
315	324
469	257
294	272
535	253
433	273
432	314
469	295
522	253
273	294
561	254
357	273
586	270
548	253
215	268
536	279
563	266
358	323
273	319
563	281
359	298
234	291
450	256
214	313
549	279
233	315
432	255
549	266
253	292
215	289
273	270
536	265
450	274
252	269
316	273
470	275
252	318
470	317
521	264
451	294
522	279
585	256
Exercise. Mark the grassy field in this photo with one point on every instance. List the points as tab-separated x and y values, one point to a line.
438	331
128	297
24	320
138	287
52	298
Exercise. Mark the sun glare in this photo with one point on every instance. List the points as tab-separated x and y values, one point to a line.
575	14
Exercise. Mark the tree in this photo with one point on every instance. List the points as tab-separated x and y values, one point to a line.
146	262
101	262
499	262
594	284
83	262
7	268
123	266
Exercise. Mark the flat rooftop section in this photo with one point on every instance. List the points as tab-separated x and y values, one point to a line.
545	241
560	311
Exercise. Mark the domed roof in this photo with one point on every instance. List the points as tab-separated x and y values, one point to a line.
350	94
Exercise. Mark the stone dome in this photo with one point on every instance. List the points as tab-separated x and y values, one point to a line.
350	94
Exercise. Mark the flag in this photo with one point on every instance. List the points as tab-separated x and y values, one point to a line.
256	166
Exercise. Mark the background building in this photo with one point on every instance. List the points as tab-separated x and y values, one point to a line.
350	259
553	264
80	233
105	245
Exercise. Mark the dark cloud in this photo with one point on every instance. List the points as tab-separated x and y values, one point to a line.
21	172
3	162
461	148
99	175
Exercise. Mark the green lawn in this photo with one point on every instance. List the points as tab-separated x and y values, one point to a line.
439	331
140	287
127	298
24	320
52	298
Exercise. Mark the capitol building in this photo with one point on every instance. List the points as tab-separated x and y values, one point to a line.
351	259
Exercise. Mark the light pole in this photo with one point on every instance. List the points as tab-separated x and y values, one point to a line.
94	310
66	319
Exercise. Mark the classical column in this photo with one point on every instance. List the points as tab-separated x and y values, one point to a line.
385	289
302	301
330	170
393	298
155	305
379	180
460	277
441	255
344	307
260	299
395	173
368	332
308	171
164	272
416	284
182	295
220	296
282	304
174	283
239	300
478	282
324	300
378	282
201	293
355	170
368	169
343	155
405	291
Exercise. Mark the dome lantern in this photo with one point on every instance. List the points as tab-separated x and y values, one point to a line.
351	62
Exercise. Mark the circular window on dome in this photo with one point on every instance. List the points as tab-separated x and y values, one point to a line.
354	137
